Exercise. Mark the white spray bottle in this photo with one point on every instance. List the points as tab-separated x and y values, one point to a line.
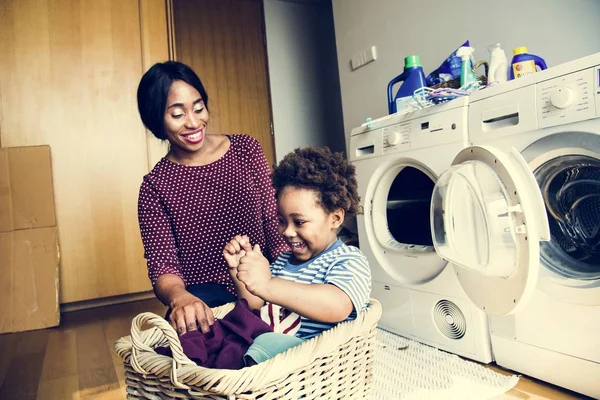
498	70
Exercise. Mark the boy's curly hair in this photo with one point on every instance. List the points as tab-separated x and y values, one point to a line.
318	169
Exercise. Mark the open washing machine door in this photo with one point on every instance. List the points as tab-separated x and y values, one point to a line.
487	219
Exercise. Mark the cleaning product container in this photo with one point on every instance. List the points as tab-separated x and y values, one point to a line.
412	77
466	68
335	364
498	70
524	63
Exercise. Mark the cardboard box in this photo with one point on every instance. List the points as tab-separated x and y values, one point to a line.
29	254
29	285
26	191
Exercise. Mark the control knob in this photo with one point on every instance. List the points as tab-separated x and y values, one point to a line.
562	97
394	138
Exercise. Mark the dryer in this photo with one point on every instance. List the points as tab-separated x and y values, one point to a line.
398	161
552	120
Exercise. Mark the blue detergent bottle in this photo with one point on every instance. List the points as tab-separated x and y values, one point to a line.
524	63
413	78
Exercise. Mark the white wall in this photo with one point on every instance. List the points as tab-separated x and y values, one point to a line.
556	30
303	72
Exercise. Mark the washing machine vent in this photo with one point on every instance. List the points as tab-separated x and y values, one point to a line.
449	319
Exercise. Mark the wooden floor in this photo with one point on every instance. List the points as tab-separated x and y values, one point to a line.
77	360
74	361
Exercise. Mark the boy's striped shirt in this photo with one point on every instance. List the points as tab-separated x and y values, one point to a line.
341	265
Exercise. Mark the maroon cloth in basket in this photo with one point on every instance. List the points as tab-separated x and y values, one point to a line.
227	342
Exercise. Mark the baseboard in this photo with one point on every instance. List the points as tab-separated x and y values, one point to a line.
105	301
563	370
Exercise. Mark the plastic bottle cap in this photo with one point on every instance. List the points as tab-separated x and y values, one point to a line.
494	46
465	52
519	50
412	61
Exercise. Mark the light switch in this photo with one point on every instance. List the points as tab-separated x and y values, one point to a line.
364	57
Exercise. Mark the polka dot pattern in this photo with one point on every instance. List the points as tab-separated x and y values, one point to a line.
188	213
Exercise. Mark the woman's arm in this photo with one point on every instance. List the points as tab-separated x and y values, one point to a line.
167	287
274	241
160	249
187	311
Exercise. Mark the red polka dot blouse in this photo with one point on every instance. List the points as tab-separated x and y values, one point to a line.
187	214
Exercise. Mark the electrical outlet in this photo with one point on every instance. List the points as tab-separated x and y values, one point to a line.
364	57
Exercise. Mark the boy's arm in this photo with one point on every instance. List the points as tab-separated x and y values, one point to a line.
233	252
319	302
254	302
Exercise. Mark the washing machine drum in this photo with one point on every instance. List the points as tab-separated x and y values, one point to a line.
570	186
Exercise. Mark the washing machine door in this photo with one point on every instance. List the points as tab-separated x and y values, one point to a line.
487	219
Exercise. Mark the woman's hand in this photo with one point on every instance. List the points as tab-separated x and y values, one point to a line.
235	250
254	271
189	312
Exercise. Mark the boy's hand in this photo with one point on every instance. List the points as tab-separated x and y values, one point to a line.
254	271
235	250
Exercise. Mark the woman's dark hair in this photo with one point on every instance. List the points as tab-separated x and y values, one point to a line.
154	88
320	170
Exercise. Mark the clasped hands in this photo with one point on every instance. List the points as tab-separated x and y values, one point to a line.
248	264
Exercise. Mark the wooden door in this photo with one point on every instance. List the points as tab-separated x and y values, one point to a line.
69	71
224	42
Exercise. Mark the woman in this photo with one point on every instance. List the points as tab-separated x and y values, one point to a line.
207	189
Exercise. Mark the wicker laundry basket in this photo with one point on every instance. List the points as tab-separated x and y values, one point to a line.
337	364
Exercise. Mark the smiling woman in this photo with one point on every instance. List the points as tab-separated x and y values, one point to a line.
205	190
185	122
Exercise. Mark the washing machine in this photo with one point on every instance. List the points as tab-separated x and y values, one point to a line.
552	119
398	161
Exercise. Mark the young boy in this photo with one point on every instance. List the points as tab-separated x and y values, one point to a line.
321	279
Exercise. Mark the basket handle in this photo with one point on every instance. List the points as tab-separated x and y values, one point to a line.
142	343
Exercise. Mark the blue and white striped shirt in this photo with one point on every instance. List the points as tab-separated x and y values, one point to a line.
340	265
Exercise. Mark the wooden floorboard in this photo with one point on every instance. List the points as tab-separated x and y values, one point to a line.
60	360
77	360
23	374
7	350
94	363
532	389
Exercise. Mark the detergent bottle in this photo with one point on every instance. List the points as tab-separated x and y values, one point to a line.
466	69
498	71
412	77
524	63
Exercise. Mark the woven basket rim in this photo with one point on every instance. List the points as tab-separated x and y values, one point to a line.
251	378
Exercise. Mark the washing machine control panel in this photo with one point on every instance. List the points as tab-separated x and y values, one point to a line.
568	98
396	137
435	129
